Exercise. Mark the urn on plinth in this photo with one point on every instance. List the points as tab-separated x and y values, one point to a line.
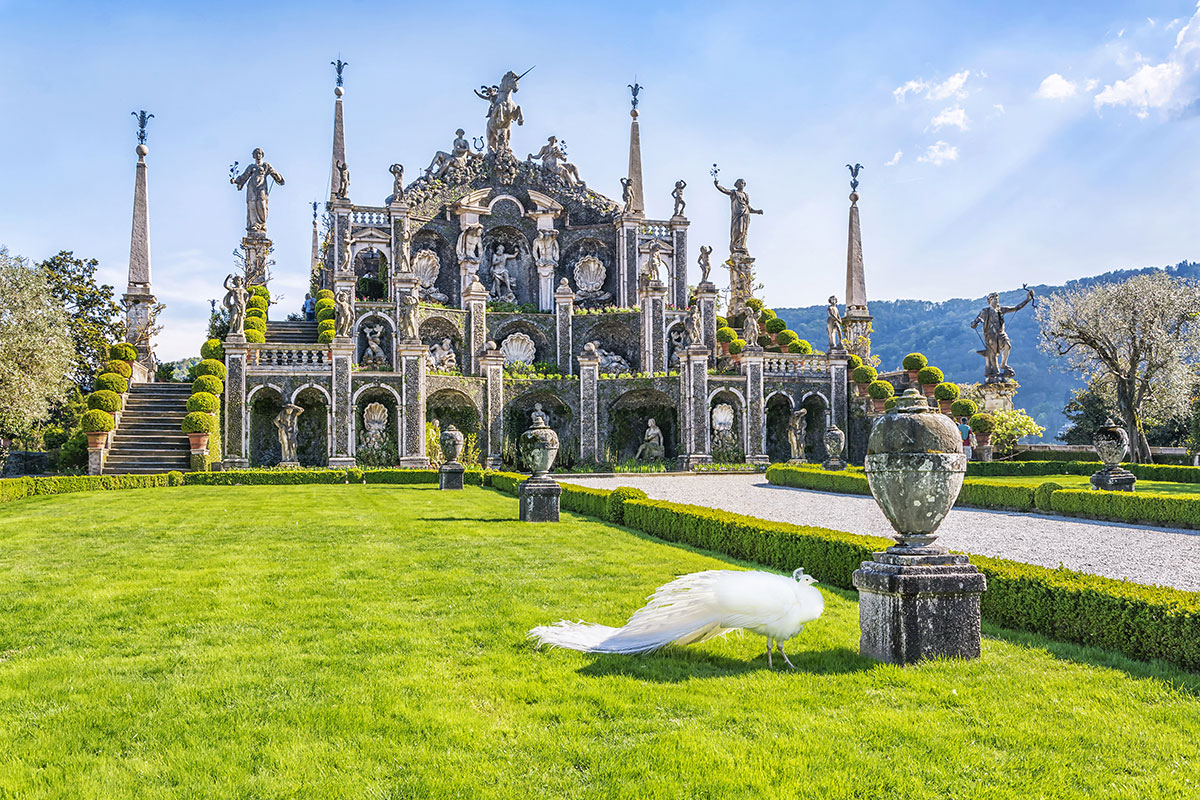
916	600
1111	442
539	445
835	445
450	474
539	495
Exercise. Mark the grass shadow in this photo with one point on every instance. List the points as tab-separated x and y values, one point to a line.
675	665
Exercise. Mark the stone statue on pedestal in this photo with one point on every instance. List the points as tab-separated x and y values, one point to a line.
739	214
343	177
545	248
654	262
703	261
343	314
996	344
409	304
833	325
397	171
502	284
502	111
256	180
442	161
677	194
554	161
626	195
235	302
797	427
695	325
287	423
750	331
652	443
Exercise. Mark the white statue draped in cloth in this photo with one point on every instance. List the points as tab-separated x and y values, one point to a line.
255	180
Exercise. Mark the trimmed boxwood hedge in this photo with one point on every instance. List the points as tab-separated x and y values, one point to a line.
786	337
112	382
326	325
324	314
725	335
880	390
104	400
325	337
963	407
213	348
585	500
946	391
255	324
1159	507
20	488
324	294
256	313
1041	495
800	346
975	492
994	494
775	325
210	366
208	383
257	301
864	373
614	504
122	368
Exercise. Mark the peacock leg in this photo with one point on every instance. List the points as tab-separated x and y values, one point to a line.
785	658
769	641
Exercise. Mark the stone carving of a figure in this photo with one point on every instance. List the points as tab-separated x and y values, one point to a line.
409	305
750	330
654	262
343	177
448	359
626	195
677	194
374	355
235	301
287	423
400	253
397	171
347	246
443	161
705	266
739	214
256	181
652	443
554	161
502	111
539	416
996	343
833	325
502	284
797	427
343	314
545	248
695	325
470	243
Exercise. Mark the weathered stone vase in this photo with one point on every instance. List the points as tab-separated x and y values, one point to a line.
1111	442
835	445
539	447
452	441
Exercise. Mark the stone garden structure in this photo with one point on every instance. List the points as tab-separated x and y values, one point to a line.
493	285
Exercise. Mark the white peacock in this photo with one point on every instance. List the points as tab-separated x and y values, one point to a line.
426	266
589	274
518	347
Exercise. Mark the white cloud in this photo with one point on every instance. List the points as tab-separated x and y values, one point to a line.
1055	87
954	86
1172	87
916	87
939	153
895	159
950	117
999	108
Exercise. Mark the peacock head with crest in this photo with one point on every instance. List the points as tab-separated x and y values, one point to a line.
802	578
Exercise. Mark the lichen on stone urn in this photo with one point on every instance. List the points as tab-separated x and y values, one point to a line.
452	441
1111	442
539	444
915	467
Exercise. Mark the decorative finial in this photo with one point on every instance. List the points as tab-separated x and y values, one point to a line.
339	65
635	87
478	142
715	171
143	119
854	176
314	205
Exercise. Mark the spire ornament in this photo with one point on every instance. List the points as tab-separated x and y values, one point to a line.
339	65
143	119
854	170
634	88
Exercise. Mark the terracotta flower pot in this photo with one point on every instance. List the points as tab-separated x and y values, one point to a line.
862	389
724	348
944	406
983	439
97	439
878	404
928	388
199	441
912	375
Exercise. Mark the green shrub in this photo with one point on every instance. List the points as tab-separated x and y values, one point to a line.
198	422
213	349
725	335
208	383
785	337
915	361
255	337
398	475
96	421
255	324
755	305
256	313
210	366
864	373
982	423
326	325
506	482
813	477
324	294
946	391
767	314
257	301
880	390
800	346
123	351
995	494
930	376
737	346
259	291
174	478
325	337
121	368
614	504
104	400
1159	507
889	404
1031	468
324	314
722	322
764	341
963	407
19	488
112	382
1041	495
585	500
325	303
853	362
204	401
775	325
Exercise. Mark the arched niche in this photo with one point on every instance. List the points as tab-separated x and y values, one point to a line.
628	419
522	272
540	342
447	279
518	416
371	283
377	434
727	448
263	405
434	331
452	407
816	419
312	434
573	253
368	326
616	338
779	409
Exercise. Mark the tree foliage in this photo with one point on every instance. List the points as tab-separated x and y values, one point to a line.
1011	427
1138	339
93	317
36	349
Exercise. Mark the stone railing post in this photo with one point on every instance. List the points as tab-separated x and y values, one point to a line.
564	310
693	383
751	361
342	409
706	296
235	439
491	431
679	267
589	424
653	299
475	301
411	354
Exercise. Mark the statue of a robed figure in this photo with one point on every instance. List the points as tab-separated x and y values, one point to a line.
256	180
739	214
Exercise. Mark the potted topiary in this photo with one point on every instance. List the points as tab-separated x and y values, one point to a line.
96	424
982	425
889	404
774	326
946	393
929	377
784	339
800	346
198	425
963	407
208	383
863	374
112	382
725	335
913	362
879	391
213	349
737	346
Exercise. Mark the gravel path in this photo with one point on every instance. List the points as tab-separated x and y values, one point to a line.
1163	556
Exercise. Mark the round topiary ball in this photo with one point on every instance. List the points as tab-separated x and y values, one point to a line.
203	401
946	391
210	384
96	421
767	315
755	304
722	322
930	376
122	368
853	362
255	324
326	325
775	325
982	423
785	337
764	340
880	390
889	404
104	400
800	346
726	334
324	294
737	346
325	302
1041	495
864	374
198	422
255	337
213	349
324	314
209	366
257	302
325	337
123	351
260	291
113	382
915	361
963	408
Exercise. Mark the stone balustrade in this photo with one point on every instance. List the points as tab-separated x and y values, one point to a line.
795	364
375	217
287	358
662	230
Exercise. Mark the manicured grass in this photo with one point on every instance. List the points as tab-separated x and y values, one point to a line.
1082	482
369	642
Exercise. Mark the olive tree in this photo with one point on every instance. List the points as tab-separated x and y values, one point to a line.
1138	339
36	350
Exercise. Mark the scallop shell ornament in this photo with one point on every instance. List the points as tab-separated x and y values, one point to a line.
589	274
518	347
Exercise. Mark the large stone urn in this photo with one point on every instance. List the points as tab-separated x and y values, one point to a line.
450	474
835	445
1111	442
916	600
539	495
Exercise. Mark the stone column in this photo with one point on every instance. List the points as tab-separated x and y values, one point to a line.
96	460
693	381
412	370
342	409
751	361
839	400
653	300
627	261
491	431
234	440
679	268
589	427
475	301
545	287
564	311
706	296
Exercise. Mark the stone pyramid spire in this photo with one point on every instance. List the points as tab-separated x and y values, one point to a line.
857	321
139	303
337	165
637	203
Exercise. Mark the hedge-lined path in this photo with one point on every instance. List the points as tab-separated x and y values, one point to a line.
1162	556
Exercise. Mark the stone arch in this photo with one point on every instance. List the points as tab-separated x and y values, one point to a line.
315	425
453	405
371	273
491	206
628	418
387	339
522	269
778	409
518	416
263	404
540	341
733	450
387	452
817	419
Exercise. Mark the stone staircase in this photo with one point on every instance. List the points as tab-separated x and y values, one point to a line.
291	333
148	440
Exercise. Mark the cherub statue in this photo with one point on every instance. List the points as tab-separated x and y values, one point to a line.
538	416
409	304
626	195
343	187
374	356
235	301
343	314
397	171
678	195
695	325
705	266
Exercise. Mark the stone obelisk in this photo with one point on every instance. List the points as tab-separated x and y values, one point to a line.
138	299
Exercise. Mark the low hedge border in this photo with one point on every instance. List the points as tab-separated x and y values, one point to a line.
19	488
975	492
1149	472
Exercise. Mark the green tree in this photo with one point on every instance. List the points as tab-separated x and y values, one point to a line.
93	315
36	350
1011	427
1086	411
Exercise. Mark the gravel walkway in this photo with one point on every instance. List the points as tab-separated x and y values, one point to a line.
1163	556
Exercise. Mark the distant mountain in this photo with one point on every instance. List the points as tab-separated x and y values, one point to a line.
942	331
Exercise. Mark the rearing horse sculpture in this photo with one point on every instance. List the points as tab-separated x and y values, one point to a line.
503	111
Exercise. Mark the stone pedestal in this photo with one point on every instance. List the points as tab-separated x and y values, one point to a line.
342	408
918	606
296	464
589	387
998	396
491	432
411	355
653	299
96	460
1114	479
450	475
539	498
475	301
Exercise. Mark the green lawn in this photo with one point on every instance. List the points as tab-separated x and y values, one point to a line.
1083	482
369	642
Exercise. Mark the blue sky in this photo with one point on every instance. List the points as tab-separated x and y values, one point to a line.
1004	142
